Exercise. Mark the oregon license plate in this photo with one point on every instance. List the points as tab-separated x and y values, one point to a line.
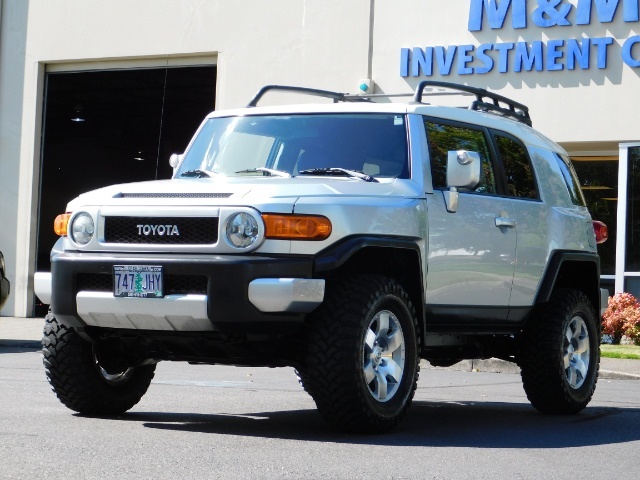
144	281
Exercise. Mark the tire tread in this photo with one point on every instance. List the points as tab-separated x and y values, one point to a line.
332	366
68	362
542	372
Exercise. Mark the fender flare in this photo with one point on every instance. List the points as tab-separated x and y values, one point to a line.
551	276
333	257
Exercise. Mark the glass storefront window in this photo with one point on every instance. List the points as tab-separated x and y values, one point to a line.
599	181
632	250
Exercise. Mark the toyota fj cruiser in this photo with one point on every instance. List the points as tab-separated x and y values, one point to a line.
348	240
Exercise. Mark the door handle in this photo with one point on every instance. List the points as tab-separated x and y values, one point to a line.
505	222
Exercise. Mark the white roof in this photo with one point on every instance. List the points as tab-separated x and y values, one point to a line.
527	134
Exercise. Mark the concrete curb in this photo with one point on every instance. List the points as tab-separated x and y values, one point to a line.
494	365
617	375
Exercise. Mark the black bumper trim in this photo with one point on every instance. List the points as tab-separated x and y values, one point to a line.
228	277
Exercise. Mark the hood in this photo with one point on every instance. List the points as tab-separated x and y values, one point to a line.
237	191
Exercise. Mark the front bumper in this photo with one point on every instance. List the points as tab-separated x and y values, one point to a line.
239	293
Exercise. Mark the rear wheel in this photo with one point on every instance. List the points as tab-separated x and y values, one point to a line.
560	354
362	366
82	379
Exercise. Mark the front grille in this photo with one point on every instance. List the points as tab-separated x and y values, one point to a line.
173	284
161	230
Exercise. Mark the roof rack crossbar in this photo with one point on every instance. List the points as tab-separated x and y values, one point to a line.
365	96
336	96
515	110
481	106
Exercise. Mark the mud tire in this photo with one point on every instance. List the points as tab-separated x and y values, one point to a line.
79	381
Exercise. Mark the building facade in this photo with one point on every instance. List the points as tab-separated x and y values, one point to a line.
82	83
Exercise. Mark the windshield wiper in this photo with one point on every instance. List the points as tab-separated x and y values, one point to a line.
268	171
340	172
197	173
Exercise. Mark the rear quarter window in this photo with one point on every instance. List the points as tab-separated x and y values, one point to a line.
520	178
570	179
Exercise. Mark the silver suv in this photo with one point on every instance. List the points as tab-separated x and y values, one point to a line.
348	240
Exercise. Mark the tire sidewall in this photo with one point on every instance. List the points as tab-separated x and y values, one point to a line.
585	391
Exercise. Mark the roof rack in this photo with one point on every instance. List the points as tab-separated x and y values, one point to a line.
513	109
336	96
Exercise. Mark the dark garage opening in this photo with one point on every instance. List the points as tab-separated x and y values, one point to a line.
114	126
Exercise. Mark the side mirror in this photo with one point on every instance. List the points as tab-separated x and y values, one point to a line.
174	160
463	171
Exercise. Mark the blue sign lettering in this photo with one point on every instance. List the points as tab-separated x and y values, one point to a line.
549	13
444	57
497	13
606	10
627	52
578	52
464	59
528	58
503	58
404	63
487	61
550	55
602	44
423	61
553	55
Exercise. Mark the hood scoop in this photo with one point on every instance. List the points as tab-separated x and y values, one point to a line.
171	195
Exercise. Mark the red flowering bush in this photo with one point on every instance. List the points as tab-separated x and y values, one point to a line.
622	317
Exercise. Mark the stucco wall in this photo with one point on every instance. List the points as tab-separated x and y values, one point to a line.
580	105
13	21
322	42
328	44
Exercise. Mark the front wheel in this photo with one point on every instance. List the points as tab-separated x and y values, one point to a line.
362	364
81	381
560	354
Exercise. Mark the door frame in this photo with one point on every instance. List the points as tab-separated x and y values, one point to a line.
621	232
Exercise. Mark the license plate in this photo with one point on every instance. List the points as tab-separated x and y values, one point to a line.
144	281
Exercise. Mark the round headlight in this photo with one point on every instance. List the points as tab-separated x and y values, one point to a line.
82	229
242	230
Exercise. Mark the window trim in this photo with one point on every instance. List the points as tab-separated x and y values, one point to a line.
563	159
499	133
498	174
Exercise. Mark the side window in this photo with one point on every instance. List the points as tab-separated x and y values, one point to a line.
571	180
520	180
444	138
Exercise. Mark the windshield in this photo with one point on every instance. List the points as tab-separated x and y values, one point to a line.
375	144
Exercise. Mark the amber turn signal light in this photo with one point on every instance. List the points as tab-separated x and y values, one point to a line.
296	227
60	224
